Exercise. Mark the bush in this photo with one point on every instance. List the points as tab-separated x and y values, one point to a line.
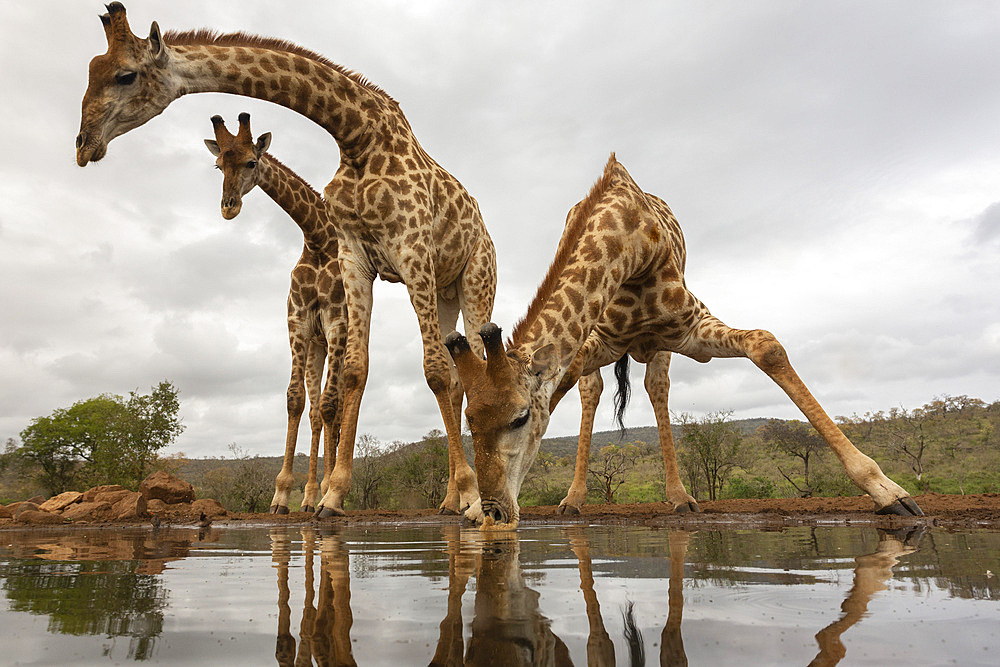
755	487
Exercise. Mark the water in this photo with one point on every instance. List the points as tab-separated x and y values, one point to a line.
422	594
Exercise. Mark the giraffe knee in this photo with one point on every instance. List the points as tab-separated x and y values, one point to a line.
295	400
766	352
328	408
353	377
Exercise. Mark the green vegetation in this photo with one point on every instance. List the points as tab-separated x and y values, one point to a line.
107	439
949	445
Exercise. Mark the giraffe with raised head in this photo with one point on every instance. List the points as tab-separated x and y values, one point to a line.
400	216
616	286
317	305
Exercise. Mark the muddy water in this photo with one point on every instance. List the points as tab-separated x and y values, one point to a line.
418	595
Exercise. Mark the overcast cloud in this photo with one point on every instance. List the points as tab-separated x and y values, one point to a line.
835	168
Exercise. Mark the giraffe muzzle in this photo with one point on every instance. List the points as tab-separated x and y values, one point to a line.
231	208
494	510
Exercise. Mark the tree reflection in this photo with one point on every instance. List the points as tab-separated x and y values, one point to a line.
95	583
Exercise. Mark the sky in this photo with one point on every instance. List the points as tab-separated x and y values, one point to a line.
835	167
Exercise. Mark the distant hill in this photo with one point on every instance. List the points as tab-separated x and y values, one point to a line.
566	445
194	470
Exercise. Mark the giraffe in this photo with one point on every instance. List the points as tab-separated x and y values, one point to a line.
400	216
618	272
317	306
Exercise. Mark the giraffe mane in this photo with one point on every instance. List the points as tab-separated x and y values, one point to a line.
567	244
291	172
208	37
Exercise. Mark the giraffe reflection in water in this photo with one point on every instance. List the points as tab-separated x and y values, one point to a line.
325	631
871	575
509	626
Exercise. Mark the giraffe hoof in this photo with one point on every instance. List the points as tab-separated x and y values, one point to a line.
273	509
685	508
308	508
570	510
903	507
447	511
327	512
280	509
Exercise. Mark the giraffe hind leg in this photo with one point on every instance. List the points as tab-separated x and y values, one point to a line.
657	383
712	338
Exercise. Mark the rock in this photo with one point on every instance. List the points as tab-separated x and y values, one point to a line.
23	506
90	511
132	506
112	497
164	486
91	494
155	505
6	512
38	517
212	508
38	500
61	502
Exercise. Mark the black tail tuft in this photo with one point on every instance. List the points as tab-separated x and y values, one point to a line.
622	393
636	651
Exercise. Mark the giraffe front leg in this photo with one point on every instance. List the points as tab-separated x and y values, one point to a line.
590	387
295	401
358	288
764	350
314	380
461	480
657	383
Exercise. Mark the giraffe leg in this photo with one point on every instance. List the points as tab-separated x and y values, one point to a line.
591	387
314	380
358	287
657	384
712	338
331	407
458	465
298	341
477	291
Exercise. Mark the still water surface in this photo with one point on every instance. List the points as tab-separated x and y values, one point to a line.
420	594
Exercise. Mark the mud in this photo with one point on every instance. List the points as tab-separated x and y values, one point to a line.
955	511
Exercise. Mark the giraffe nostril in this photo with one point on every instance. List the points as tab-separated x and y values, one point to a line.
81	139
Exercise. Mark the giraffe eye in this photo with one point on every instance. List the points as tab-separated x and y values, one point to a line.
125	78
251	164
520	420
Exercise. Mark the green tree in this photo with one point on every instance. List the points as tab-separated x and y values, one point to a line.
370	469
245	487
798	440
611	466
711	449
105	439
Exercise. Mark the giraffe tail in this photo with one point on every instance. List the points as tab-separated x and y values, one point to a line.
622	393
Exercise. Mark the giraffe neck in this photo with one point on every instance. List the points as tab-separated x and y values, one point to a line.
303	205
355	113
566	315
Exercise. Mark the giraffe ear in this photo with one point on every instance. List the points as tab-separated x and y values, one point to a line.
545	362
263	141
213	147
156	46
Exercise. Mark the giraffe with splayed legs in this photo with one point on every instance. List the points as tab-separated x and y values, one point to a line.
616	285
317	306
400	216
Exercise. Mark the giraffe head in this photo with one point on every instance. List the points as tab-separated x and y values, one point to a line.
127	86
507	414
236	156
